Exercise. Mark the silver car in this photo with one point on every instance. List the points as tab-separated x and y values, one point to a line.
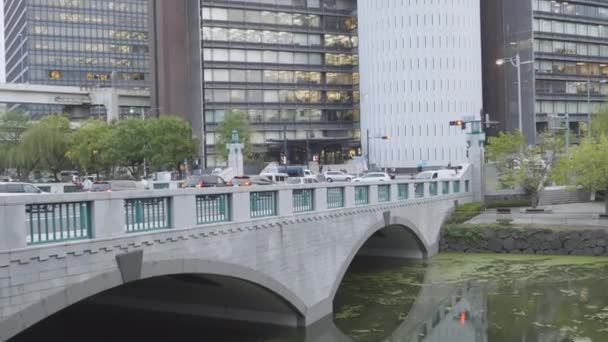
336	176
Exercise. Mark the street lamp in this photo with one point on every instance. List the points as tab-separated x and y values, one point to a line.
143	117
382	137
516	62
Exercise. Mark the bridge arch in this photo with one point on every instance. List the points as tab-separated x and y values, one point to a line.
108	281
401	225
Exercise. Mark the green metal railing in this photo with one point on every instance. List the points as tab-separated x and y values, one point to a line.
71	188
45	188
303	200
466	186
403	191
433	189
456	186
384	193
362	195
145	214
419	190
57	222
160	186
213	208
263	204
335	198
445	187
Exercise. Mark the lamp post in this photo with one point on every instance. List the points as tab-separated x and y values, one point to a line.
368	137
516	62
143	118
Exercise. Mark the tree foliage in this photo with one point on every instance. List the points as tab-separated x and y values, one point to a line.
88	146
170	142
599	123
586	166
527	166
233	120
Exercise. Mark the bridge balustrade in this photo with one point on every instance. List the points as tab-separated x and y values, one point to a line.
46	219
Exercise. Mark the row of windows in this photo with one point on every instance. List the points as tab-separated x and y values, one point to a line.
88	32
340	5
571	68
298	20
278	37
64	45
570	87
258	116
570	48
264	137
278	57
81	77
418	154
87	17
566	8
116	5
416	107
563	27
423	130
97	60
279	96
562	107
279	76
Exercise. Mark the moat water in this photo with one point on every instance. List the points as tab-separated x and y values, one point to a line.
452	298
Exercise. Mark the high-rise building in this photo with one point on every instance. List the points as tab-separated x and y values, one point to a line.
92	43
563	48
289	66
420	65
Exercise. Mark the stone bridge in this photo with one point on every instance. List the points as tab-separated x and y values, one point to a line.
264	254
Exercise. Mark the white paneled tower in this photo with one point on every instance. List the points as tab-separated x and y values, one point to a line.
420	67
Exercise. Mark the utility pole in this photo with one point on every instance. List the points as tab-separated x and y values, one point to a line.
307	151
367	148
285	143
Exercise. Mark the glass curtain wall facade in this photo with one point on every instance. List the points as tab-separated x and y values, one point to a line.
91	43
291	67
571	60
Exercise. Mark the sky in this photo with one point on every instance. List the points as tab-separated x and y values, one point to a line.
2	44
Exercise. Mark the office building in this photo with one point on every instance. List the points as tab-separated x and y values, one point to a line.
289	66
90	43
420	65
563	47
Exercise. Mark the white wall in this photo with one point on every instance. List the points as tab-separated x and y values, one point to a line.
420	65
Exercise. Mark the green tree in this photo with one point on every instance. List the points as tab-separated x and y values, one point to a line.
87	146
126	145
233	120
599	122
170	142
587	166
46	143
12	126
527	166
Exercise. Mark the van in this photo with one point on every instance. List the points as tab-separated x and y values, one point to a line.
276	177
294	171
435	174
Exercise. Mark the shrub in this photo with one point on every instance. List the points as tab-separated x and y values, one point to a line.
513	203
465	212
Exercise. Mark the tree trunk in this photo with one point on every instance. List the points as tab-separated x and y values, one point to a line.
534	200
606	202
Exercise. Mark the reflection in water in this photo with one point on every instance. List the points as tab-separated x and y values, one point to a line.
451	298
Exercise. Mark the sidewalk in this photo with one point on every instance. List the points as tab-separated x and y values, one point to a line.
576	214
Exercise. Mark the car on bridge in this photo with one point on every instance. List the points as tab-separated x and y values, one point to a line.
337	176
116	185
373	177
204	181
13	188
301	180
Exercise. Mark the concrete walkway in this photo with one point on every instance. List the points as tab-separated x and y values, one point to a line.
576	214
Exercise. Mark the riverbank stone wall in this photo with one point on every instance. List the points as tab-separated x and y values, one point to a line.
513	240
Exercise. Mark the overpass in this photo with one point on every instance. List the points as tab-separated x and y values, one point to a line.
262	254
78	100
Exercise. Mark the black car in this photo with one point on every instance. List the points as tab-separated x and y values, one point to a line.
204	181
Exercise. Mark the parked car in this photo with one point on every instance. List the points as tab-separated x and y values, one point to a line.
301	180
19	188
374	177
434	174
261	180
295	171
241	181
337	176
204	181
115	185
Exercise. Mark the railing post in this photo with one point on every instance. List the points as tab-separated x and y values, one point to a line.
349	196
427	190
240	206
411	191
285	203
394	192
373	194
320	199
183	211
108	218
13	226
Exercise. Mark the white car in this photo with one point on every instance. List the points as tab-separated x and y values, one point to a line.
336	176
374	177
302	180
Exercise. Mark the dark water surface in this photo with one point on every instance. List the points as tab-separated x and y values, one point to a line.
451	298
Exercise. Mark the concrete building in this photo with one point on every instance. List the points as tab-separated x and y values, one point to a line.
420	65
563	48
289	68
91	43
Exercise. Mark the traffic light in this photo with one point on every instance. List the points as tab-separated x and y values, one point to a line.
461	123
